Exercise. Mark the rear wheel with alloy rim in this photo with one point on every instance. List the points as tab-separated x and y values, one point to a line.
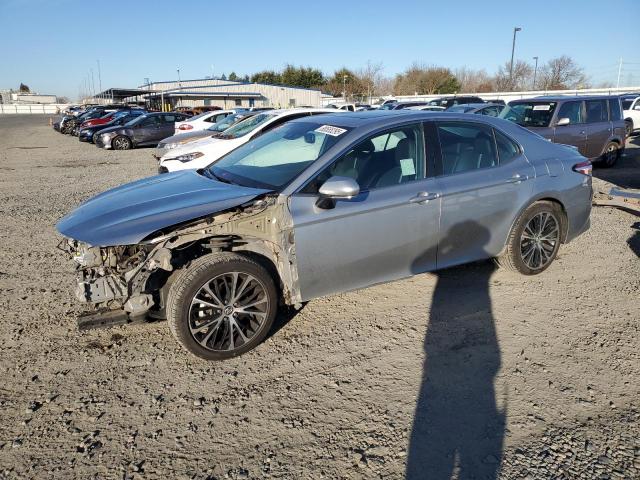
121	143
610	155
534	239
221	306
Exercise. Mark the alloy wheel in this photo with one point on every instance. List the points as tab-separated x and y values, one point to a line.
227	311
120	143
539	240
610	155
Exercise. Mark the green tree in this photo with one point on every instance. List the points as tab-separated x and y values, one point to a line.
233	77
347	80
267	76
306	77
24	88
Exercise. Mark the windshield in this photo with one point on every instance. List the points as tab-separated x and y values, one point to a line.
136	120
196	117
388	106
248	125
459	109
277	157
226	122
529	114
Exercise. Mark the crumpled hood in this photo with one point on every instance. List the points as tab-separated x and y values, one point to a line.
127	214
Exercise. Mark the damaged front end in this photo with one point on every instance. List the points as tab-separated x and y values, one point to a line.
130	283
114	279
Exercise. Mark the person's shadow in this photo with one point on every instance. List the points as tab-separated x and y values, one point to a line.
458	428
634	240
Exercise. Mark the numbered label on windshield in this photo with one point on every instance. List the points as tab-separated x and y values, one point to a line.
330	130
542	107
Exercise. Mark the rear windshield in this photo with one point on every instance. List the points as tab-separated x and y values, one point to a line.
226	122
626	103
530	114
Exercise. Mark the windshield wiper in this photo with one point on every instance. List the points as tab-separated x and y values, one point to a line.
213	176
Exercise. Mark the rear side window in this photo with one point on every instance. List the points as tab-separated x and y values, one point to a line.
596	111
466	146
507	149
572	111
614	109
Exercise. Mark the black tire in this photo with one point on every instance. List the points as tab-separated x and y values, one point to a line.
514	257
610	155
628	128
121	142
214	333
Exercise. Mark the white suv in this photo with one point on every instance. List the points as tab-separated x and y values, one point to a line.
203	152
631	113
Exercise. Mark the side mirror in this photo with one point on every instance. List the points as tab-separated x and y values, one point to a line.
336	188
562	122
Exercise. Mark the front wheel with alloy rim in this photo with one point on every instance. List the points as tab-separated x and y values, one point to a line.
534	239
610	155
121	143
222	305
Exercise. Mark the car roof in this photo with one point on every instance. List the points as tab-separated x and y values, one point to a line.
561	98
371	119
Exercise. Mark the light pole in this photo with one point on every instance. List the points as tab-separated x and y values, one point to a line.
179	84
513	49
535	71
344	88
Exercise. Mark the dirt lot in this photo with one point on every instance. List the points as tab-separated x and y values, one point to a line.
471	372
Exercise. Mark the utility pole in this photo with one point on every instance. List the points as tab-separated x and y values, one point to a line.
513	49
99	76
535	71
619	73
179	84
93	84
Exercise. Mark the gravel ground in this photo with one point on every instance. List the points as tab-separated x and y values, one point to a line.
467	373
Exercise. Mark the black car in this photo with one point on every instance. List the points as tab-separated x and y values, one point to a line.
447	102
146	130
87	134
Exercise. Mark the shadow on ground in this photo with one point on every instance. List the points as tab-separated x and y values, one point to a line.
458	429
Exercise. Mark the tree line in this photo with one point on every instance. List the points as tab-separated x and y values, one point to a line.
421	79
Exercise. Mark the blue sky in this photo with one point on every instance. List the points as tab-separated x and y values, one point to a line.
52	44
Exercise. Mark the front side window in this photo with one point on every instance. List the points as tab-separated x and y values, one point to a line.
493	111
596	111
530	114
383	160
170	118
572	111
626	103
150	121
274	159
465	147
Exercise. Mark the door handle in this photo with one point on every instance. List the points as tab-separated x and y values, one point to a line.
424	197
517	178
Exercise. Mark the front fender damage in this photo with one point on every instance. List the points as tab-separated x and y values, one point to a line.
126	283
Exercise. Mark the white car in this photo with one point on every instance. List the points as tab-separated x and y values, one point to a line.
631	114
202	121
203	152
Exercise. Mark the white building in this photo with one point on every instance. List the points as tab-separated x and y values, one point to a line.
226	94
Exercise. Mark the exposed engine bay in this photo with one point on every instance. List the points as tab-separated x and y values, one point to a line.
133	280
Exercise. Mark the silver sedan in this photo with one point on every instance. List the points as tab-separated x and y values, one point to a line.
318	206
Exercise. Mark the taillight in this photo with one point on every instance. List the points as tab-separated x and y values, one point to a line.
185	126
584	168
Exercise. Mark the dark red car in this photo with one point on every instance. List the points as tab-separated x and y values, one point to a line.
109	117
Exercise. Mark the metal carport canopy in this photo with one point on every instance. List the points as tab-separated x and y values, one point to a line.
122	93
181	94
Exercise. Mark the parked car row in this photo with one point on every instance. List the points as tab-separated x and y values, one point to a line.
239	221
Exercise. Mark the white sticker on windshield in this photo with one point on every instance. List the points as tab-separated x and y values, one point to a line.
330	130
407	166
542	107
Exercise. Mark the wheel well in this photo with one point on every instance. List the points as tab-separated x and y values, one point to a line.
565	219
267	263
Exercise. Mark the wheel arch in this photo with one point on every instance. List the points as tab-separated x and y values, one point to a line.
545	197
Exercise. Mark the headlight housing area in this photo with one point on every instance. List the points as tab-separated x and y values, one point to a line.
187	157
